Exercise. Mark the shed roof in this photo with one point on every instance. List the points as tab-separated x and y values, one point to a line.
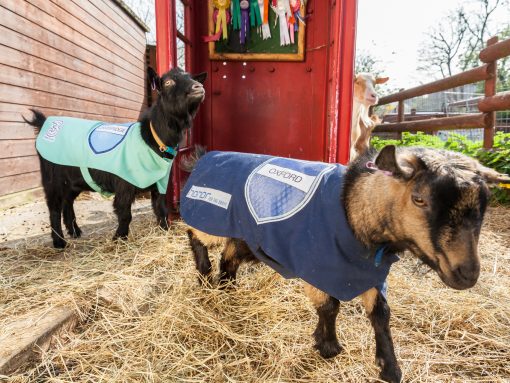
131	14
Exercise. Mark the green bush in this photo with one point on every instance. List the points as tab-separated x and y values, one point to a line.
497	158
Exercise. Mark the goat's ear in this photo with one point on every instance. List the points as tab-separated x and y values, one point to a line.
491	176
387	161
381	80
154	79
200	77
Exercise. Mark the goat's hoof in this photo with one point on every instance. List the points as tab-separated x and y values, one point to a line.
205	281
226	283
122	237
59	243
328	348
391	375
75	233
163	224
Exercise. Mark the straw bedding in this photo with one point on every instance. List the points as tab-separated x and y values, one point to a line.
145	318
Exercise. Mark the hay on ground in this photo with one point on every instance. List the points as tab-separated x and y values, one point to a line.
144	318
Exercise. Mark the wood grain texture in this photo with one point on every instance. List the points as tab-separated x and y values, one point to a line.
20	182
18	165
76	58
63	43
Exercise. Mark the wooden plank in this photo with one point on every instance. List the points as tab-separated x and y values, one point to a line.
20	198
20	182
17	111
57	61
24	340
132	15
30	29
37	99
97	78
474	75
15	130
119	16
490	91
18	165
500	101
70	14
118	27
471	121
17	148
48	22
25	79
495	51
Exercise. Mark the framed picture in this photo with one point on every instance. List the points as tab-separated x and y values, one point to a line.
280	38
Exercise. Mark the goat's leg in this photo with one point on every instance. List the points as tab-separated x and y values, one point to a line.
378	312
54	201
122	207
201	254
69	217
326	341
159	208
234	254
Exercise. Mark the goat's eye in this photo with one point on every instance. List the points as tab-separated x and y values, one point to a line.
419	201
169	83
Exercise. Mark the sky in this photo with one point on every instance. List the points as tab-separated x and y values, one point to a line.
393	30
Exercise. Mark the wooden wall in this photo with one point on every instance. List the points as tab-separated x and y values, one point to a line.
82	58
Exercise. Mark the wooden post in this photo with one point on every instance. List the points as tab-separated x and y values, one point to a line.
401	114
490	90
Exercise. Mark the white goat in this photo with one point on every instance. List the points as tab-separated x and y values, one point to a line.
364	97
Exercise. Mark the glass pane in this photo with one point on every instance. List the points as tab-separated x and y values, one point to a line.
181	54
179	12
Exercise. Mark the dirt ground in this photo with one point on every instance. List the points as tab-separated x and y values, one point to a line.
161	326
32	219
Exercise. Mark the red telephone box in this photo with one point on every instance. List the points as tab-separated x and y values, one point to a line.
291	109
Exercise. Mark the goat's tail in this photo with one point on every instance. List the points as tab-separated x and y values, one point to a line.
188	162
37	120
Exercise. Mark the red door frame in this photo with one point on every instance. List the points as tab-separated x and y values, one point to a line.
341	71
166	34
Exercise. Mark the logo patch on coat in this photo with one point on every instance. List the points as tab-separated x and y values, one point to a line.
212	196
53	130
106	137
280	188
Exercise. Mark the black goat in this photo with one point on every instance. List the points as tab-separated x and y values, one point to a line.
156	138
430	202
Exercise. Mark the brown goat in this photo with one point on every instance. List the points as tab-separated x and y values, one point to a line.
430	202
364	96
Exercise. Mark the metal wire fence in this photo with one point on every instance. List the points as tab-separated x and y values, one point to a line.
458	101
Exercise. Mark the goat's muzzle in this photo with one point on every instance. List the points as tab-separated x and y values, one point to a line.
462	276
197	91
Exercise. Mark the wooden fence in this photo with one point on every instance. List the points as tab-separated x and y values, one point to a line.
487	106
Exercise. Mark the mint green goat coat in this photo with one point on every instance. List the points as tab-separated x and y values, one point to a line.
114	148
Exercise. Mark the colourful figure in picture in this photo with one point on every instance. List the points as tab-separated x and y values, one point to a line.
221	20
244	34
236	15
255	17
282	9
264	29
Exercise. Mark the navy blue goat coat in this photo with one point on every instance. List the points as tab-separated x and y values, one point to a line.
290	214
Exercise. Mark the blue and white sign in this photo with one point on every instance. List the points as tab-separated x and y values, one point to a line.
106	137
280	188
